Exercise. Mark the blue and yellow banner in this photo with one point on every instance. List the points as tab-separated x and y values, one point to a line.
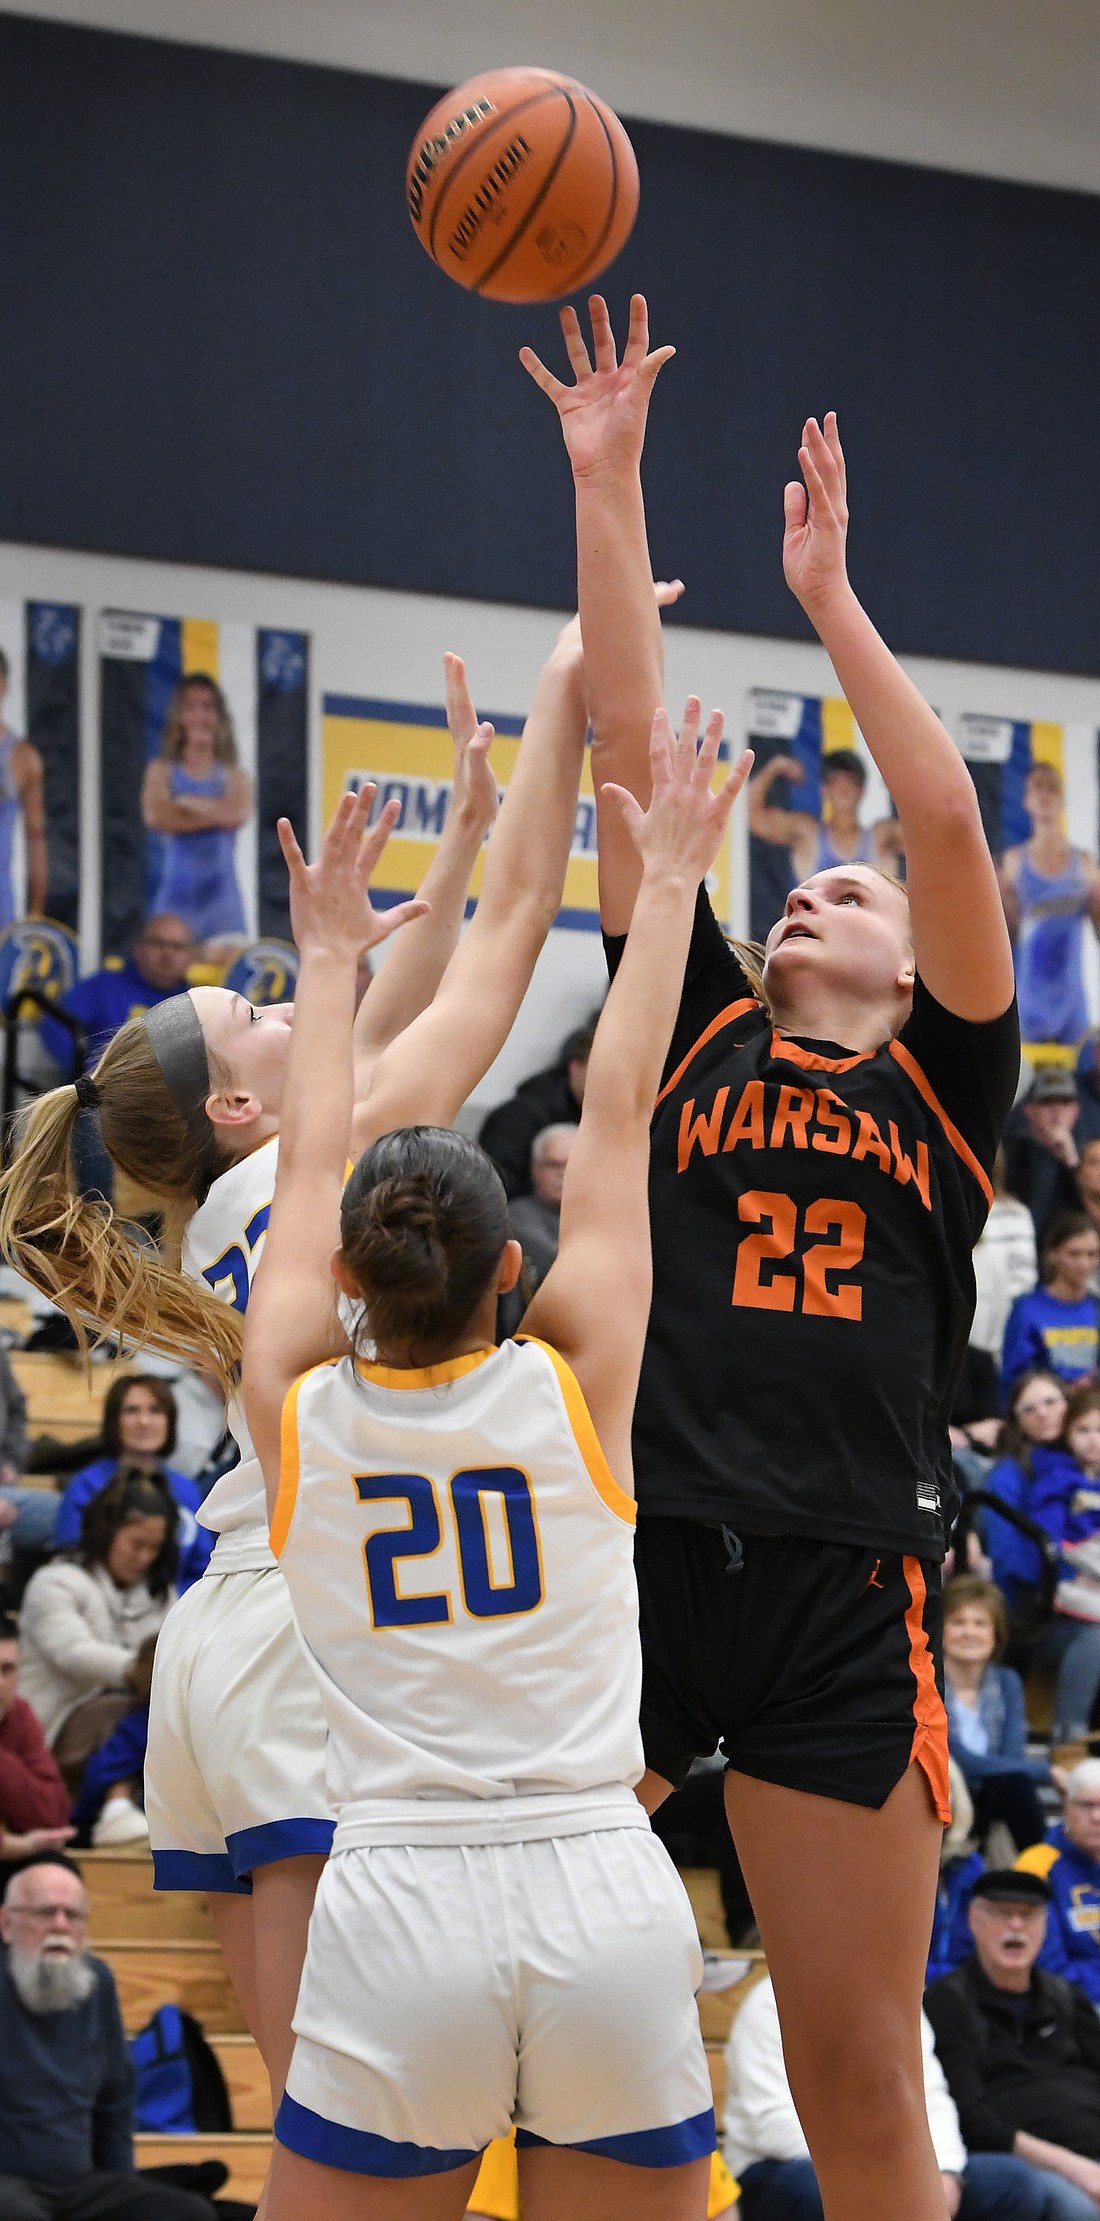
406	749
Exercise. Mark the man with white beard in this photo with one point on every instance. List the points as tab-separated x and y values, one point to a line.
66	2148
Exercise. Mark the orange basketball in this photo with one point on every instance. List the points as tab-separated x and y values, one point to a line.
522	185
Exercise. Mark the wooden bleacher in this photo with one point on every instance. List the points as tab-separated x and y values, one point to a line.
64	1396
162	1950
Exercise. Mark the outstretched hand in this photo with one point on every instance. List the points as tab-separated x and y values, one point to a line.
330	905
603	414
815	517
475	786
680	834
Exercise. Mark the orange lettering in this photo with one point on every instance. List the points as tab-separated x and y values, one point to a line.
792	1114
705	1129
871	1143
756	1250
905	1170
837	1137
850	1224
747	1123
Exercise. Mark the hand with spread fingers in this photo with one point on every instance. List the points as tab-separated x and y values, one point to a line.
330	905
603	413
680	834
815	516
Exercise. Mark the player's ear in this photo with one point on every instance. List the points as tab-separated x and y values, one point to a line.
233	1107
510	1268
344	1277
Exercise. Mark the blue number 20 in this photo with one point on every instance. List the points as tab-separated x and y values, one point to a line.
422	1536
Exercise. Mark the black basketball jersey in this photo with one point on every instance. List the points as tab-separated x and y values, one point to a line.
813	1215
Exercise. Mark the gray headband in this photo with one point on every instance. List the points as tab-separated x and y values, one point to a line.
179	1046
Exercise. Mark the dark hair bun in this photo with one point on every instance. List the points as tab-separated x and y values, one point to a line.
423	1222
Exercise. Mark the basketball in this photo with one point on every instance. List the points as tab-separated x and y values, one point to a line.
522	185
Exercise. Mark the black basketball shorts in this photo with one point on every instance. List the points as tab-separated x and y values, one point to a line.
812	1664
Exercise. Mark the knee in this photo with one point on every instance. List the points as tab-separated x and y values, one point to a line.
864	2098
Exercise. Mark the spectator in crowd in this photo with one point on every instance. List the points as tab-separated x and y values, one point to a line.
85	1623
975	1423
1069	1859
1058	1323
156	967
1005	1263
197	797
21	795
27	1515
987	1725
66	2143
1041	1147
960	1865
1088	1189
549	1098
34	1802
765	2148
1021	2048
1034	1420
535	1219
139	1435
1065	1502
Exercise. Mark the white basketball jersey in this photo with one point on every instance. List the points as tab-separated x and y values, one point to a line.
460	1561
222	1246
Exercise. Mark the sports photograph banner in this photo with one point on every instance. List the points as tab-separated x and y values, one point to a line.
40	739
406	749
816	799
187	824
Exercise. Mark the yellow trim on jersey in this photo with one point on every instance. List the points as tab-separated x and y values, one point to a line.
422	1376
584	1434
1038	1859
290	1458
496	2191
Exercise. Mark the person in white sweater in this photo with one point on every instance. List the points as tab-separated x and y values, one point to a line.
764	2146
1005	1264
89	1622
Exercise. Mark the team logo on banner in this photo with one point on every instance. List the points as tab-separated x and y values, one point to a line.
38	953
51	631
265	973
406	750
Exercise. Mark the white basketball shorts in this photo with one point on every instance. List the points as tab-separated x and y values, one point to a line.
453	1990
235	1771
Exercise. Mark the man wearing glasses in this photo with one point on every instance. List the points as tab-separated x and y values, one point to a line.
66	2149
1069	1860
156	966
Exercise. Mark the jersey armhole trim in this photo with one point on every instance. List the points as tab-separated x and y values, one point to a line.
725	1018
584	1434
923	1085
290	1465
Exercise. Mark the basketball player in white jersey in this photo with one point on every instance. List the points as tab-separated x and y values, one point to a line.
188	1099
497	1935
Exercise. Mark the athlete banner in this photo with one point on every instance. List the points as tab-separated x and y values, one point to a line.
40	703
406	749
214	858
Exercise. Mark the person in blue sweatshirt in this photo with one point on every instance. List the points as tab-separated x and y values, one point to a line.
1034	1417
155	966
1057	1324
1069	1860
139	1430
1065	1500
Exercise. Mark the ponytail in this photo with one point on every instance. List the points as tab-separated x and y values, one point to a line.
73	1248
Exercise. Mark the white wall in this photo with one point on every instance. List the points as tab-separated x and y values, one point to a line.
1010	87
369	642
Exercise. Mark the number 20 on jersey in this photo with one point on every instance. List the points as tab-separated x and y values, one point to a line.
421	1534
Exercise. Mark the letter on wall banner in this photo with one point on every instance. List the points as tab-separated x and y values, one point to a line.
228	884
52	684
406	749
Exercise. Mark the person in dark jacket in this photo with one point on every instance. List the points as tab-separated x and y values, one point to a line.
1041	1146
549	1098
66	2144
1021	2048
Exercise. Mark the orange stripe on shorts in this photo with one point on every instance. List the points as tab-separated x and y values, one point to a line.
929	1749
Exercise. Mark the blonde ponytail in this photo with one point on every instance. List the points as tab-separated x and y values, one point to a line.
74	1249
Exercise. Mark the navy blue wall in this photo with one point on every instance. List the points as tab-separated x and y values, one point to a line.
220	342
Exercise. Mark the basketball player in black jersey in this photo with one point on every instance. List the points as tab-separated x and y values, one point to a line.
822	1155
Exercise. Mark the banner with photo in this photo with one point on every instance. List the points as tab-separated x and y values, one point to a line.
406	749
816	799
39	761
204	738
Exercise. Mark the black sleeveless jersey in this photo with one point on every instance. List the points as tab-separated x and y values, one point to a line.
813	1215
